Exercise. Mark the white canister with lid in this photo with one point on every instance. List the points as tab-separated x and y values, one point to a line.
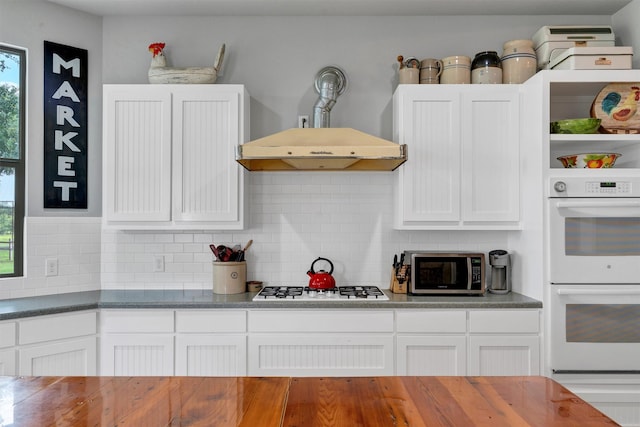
456	70
518	61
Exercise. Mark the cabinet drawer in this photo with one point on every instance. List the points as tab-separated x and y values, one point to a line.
504	321
136	321
211	321
7	334
432	321
320	321
58	326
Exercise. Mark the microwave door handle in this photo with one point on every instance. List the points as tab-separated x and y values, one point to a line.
469	273
603	292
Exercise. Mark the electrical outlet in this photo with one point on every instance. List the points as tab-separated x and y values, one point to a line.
51	267
158	264
303	121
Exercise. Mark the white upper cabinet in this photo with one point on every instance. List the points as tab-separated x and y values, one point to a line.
462	170
169	156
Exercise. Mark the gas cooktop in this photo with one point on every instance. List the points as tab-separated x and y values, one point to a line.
304	293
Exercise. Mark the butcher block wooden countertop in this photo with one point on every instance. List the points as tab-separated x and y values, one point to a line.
303	402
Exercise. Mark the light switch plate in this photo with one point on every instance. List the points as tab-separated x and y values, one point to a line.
51	267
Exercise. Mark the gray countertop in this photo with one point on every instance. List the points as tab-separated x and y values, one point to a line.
201	299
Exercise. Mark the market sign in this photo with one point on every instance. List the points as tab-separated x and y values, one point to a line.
65	126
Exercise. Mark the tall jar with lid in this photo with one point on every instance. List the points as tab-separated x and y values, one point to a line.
518	61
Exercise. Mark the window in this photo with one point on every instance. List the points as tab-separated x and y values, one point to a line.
13	65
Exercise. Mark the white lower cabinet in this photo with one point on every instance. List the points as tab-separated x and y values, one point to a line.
211	343
474	342
7	348
321	342
431	342
59	344
504	342
136	342
167	342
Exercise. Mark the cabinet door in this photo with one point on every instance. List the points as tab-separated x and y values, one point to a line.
136	354
8	362
320	354
211	355
431	355
504	355
206	133
60	358
490	154
137	153
428	184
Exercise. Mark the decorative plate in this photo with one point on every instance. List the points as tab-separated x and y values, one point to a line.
617	106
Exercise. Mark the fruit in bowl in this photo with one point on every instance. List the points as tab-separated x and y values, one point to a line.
589	160
576	126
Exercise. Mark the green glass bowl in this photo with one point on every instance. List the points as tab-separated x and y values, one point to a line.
576	126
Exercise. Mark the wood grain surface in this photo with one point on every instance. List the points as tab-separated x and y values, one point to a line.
303	402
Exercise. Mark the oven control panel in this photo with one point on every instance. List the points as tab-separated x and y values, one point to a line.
590	187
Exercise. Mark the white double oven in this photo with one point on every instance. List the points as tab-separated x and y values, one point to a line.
594	274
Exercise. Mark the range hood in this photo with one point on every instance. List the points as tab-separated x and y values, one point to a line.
328	149
322	147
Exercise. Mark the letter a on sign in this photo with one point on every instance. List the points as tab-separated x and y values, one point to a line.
65	126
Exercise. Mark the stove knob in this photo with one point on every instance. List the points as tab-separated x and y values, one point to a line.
560	187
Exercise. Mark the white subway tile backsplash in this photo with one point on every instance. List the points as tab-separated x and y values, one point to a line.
293	218
74	241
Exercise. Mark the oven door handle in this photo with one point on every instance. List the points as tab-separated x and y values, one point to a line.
598	291
592	204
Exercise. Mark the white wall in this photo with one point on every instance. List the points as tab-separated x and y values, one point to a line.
27	23
60	234
294	217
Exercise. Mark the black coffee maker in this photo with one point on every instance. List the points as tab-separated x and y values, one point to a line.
500	262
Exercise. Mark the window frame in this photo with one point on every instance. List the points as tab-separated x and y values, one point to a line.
19	165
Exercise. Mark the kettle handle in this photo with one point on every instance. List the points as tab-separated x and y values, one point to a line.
321	259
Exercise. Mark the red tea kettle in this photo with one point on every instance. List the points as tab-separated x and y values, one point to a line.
321	279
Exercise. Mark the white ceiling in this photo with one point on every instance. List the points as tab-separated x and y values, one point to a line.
346	7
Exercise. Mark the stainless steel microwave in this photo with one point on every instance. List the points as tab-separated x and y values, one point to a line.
446	273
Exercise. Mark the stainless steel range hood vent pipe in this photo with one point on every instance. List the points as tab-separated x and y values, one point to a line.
330	83
322	148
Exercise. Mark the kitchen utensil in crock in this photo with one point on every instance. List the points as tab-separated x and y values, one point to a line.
321	279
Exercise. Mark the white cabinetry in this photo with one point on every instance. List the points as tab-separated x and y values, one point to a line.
168	342
60	344
557	95
136	342
321	342
463	169
504	342
431	342
169	156
7	350
211	343
459	342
